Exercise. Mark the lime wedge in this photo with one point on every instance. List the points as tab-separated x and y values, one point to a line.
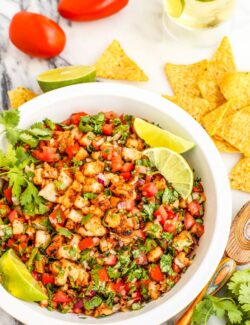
65	76
157	137
174	168
175	7
17	280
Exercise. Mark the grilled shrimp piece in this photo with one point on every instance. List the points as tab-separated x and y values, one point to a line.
80	177
107	244
103	309
81	202
68	252
131	154
38	176
160	182
135	143
18	227
57	242
91	185
65	179
93	168
124	190
112	218
153	229
87	139
49	172
113	178
93	227
75	215
42	239
155	254
76	186
93	210
181	260
154	290
184	239
49	192
68	199
4	210
102	201
81	154
76	272
60	273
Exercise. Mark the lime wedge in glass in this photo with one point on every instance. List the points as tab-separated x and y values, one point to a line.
174	168
65	76
17	280
175	7
157	137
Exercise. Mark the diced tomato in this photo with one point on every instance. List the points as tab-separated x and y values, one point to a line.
170	225
130	204
136	296
47	278
10	242
110	260
188	220
61	297
86	243
176	268
107	152
142	259
107	129
141	169
140	234
76	117
103	275
114	201
23	245
126	175
8	194
116	163
194	208
156	273
23	238
72	150
12	216
197	229
110	115
161	214
121	287
127	167
47	154
35	275
198	188
149	190
57	217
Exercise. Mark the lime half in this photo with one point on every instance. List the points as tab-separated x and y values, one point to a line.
174	168
175	7
17	280
66	76
157	137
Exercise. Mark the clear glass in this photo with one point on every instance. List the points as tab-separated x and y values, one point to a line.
201	23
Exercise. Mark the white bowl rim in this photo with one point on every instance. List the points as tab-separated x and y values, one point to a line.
224	209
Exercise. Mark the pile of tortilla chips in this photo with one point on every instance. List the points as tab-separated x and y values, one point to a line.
218	97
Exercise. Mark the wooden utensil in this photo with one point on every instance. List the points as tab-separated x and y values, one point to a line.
238	246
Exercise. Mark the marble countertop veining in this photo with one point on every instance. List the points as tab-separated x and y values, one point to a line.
139	29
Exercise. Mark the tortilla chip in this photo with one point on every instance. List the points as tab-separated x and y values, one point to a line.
236	130
224	146
221	63
19	96
240	175
195	106
115	64
184	78
236	85
214	119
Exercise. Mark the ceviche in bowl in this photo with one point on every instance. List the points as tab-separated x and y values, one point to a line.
111	202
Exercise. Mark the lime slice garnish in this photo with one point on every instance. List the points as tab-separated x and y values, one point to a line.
157	137
175	7
17	280
174	168
65	76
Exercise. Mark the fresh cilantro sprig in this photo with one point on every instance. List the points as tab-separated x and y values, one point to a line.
38	131
12	165
235	307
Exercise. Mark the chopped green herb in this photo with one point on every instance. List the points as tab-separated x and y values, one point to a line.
65	232
89	196
169	196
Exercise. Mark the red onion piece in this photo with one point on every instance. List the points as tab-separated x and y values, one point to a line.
78	304
101	179
122	205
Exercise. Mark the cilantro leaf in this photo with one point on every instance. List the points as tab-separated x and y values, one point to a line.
202	312
244	296
9	159
9	119
12	135
239	277
65	232
169	196
29	139
166	264
94	302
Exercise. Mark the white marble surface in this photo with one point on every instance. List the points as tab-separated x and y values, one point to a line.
139	29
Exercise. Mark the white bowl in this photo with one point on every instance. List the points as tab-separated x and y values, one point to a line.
205	159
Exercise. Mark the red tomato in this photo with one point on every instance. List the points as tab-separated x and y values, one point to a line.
57	217
110	115
12	216
126	175
130	204
110	260
141	169
81	10
8	194
72	150
103	275
47	278
121	287
176	268
107	152
76	117
86	243
161	214
36	35
142	259
35	275
156	273
107	129
170	225
47	154
149	190
61	297
188	220
194	208
197	229
116	163
127	167
140	234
